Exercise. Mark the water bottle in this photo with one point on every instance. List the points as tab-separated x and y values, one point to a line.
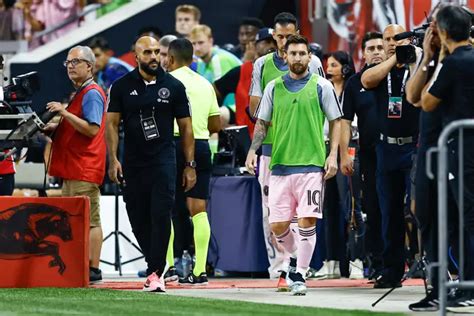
186	263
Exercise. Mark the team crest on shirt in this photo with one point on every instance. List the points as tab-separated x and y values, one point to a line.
163	95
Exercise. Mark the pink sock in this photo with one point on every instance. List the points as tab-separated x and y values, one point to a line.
287	240
306	245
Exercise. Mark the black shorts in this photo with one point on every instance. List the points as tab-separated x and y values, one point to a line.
202	155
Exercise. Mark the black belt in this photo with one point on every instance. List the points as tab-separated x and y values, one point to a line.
398	140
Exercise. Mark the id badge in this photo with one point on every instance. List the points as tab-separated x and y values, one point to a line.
394	108
150	130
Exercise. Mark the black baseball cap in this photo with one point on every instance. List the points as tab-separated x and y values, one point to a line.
264	34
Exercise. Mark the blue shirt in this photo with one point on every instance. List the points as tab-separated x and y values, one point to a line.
93	107
114	70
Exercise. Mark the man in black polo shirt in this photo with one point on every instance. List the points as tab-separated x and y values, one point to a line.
452	89
398	127
148	100
361	102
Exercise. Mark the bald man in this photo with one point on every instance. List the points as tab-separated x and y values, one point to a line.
148	100
398	128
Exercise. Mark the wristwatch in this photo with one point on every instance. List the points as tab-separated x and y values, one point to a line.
191	164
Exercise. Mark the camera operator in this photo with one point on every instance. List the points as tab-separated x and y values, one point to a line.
452	90
430	128
398	129
78	149
360	102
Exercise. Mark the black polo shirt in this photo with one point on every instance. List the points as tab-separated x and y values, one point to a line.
129	95
407	124
454	84
431	123
361	102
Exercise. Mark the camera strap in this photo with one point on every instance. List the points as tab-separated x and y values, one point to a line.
389	84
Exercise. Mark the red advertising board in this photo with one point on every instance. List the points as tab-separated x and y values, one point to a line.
44	242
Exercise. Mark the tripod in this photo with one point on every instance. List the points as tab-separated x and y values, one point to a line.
116	233
419	265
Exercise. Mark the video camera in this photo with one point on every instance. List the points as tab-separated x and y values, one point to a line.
18	122
406	54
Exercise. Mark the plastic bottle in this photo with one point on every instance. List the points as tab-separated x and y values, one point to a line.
186	263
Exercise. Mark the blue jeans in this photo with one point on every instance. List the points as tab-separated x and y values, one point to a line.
394	163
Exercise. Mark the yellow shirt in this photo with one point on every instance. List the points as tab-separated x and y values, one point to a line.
202	98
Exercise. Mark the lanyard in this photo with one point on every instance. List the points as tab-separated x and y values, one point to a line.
389	83
152	113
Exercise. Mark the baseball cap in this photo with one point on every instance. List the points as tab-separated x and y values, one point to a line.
263	34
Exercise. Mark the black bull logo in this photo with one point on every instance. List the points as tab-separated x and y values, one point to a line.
24	229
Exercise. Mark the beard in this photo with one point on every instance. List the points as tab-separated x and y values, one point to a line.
146	67
298	68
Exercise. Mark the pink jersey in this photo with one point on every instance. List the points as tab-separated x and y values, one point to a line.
52	13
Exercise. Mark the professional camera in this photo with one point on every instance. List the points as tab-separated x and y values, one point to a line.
21	89
406	54
18	122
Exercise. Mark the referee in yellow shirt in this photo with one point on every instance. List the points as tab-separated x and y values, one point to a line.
205	121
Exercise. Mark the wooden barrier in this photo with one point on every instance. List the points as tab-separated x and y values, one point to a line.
44	242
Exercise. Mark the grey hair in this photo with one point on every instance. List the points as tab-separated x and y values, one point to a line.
86	52
166	40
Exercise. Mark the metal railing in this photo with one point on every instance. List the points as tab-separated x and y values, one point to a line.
442	180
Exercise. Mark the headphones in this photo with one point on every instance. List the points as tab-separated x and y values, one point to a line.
346	68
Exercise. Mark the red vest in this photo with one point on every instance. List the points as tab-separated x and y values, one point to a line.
7	166
76	156
242	97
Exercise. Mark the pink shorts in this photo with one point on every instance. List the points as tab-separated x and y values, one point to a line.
264	177
301	194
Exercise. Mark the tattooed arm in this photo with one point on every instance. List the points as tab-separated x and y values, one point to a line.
259	134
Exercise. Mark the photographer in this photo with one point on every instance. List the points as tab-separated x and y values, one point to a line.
430	129
398	128
452	90
78	150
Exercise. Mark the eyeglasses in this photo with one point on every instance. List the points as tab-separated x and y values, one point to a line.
74	62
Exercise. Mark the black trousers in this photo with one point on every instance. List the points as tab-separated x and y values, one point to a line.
149	197
7	184
394	163
468	175
336	204
370	203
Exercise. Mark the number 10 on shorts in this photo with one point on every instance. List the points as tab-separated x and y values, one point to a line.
314	198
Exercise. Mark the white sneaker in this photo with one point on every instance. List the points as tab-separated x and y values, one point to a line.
333	270
322	273
356	269
298	288
296	284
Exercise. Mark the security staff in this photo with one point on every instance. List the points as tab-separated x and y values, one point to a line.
452	90
361	102
398	129
148	100
206	120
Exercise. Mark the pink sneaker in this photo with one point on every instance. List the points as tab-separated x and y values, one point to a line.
154	283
